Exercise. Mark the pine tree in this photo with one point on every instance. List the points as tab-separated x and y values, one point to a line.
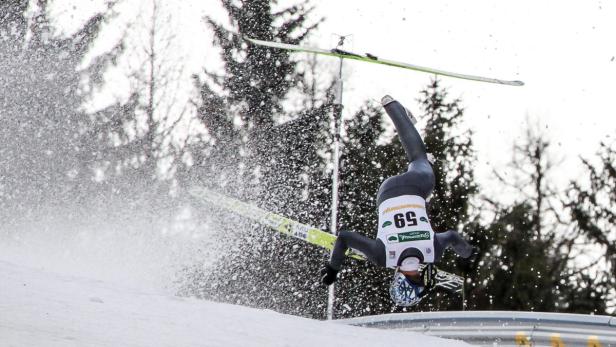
254	84
590	203
518	269
247	149
531	250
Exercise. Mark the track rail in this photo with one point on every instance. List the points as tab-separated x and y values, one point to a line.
502	328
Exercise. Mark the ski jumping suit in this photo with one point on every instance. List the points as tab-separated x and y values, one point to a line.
404	227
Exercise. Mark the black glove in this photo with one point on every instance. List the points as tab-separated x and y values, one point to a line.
468	262
474	255
328	275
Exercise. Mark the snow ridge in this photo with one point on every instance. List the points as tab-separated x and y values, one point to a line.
41	307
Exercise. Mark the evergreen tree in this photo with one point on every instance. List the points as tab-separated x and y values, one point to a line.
248	150
590	203
283	271
531	250
255	82
519	266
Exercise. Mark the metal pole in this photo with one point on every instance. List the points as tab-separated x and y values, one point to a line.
464	295
335	177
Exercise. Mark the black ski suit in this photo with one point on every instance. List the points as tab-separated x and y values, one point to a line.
418	180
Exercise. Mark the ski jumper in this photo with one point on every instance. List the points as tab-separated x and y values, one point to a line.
404	227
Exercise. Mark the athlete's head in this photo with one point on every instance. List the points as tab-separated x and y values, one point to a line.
405	291
407	287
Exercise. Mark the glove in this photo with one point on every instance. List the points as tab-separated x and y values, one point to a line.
474	255
328	275
467	263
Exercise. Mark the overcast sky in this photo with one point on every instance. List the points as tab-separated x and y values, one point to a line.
563	50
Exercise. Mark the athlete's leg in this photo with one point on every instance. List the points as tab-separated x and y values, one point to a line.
452	239
374	250
409	136
419	179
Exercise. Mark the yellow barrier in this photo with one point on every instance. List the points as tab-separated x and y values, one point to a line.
522	340
556	341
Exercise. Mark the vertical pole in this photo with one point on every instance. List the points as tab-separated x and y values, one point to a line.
463	296
335	176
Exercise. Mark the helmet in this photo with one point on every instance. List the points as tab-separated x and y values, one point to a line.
405	292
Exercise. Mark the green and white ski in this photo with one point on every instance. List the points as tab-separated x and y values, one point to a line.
374	59
281	224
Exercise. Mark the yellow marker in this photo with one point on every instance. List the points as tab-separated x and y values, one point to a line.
556	341
593	341
522	340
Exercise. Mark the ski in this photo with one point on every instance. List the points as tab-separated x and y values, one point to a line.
304	232
374	59
275	221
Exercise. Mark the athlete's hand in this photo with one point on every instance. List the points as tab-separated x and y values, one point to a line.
328	275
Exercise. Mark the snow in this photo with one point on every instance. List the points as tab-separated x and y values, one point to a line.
40	306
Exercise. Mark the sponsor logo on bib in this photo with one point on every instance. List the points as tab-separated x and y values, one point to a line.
392	238
386	224
423	219
409	236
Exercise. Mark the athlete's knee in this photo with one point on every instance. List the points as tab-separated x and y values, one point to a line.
422	177
429	179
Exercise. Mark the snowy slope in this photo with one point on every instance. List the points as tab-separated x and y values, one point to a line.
40	307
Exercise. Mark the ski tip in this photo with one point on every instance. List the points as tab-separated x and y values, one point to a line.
251	40
517	83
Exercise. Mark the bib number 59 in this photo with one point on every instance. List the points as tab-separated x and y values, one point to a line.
407	219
